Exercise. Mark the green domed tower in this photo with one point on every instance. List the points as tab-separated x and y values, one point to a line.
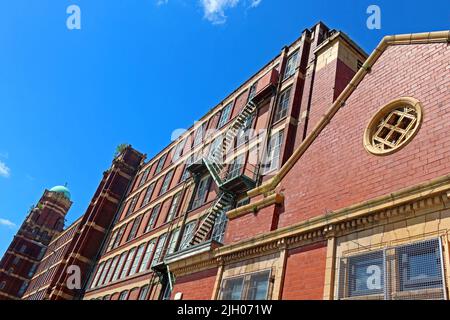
61	189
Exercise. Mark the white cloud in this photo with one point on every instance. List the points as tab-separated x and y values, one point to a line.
255	3
7	223
214	10
4	170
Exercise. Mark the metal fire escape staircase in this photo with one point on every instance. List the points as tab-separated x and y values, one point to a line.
229	185
214	162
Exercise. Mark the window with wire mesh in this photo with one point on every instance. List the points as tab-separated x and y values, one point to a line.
254	286
407	272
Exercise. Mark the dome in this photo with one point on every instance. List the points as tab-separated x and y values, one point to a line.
61	189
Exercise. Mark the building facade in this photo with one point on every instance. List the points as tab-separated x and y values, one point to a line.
324	176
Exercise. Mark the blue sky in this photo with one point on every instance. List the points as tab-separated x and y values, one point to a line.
69	97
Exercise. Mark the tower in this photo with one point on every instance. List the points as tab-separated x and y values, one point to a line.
42	224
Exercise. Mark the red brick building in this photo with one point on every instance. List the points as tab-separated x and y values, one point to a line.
324	176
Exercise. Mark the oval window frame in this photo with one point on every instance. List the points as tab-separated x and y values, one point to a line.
383	112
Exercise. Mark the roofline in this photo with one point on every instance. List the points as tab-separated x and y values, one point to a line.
401	39
240	87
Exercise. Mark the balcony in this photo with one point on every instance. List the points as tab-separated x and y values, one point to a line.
265	85
196	166
239	178
203	249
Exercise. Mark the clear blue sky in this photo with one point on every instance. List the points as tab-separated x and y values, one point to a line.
69	97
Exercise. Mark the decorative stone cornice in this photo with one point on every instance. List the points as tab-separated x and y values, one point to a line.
416	200
430	194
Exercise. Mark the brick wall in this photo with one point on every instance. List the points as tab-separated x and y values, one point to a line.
196	286
251	224
336	171
305	273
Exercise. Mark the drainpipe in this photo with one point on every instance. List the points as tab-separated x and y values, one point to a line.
311	89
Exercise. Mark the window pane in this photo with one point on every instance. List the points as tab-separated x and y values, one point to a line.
220	225
148	254
224	115
132	205
158	250
236	167
127	265
160	163
151	222
259	286
366	274
232	289
291	65
144	177
97	275
201	192
173	207
252	91
137	259
148	194
187	235
135	228
283	105
273	152
143	293
198	136
112	269
166	182
420	266
173	241
119	236
105	270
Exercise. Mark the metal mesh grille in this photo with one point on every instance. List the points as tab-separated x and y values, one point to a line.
408	272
